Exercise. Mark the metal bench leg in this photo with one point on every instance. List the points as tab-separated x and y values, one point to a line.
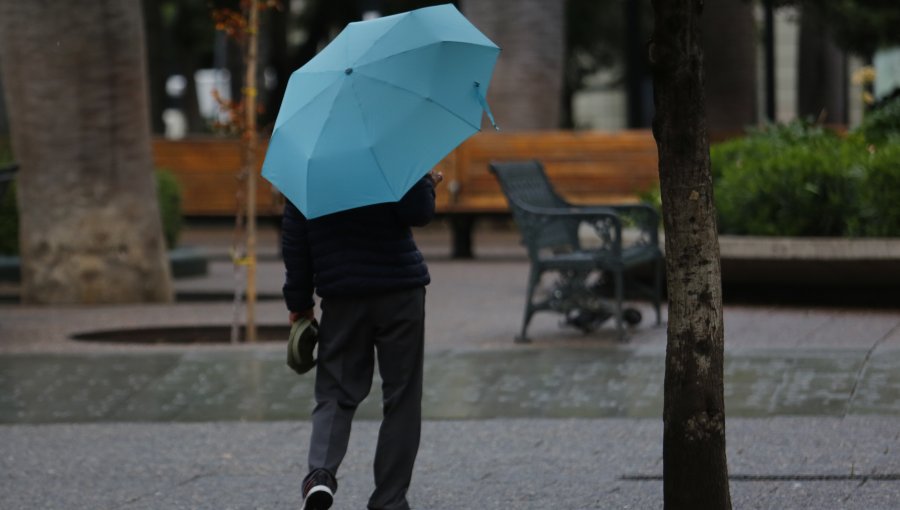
534	276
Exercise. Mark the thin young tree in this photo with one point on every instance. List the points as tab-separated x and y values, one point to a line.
75	82
695	470
243	26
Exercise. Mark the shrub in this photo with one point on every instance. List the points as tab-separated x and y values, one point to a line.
880	191
879	124
168	194
792	180
652	197
800	179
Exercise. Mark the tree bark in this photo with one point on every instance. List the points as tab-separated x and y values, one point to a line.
90	229
695	471
526	90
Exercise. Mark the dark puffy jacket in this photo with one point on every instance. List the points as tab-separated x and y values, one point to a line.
364	251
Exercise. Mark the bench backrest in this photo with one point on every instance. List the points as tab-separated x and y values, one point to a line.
526	183
587	167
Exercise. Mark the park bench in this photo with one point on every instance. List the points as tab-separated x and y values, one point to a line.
553	232
586	166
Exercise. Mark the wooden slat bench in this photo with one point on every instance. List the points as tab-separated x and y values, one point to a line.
585	166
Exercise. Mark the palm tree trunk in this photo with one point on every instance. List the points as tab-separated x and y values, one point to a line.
90	229
526	91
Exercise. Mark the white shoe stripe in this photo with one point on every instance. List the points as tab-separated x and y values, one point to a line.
319	488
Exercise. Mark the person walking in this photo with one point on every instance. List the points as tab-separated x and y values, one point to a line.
365	266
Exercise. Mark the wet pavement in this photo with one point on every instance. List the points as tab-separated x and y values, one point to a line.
460	385
566	422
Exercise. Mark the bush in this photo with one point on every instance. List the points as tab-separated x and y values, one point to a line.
881	123
168	193
791	180
880	191
800	179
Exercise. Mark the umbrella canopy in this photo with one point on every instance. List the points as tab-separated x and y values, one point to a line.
376	109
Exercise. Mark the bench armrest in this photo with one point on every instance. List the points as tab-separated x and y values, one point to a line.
604	220
642	216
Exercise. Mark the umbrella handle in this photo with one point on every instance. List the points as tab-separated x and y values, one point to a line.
484	105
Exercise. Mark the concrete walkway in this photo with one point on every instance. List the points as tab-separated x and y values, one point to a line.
567	422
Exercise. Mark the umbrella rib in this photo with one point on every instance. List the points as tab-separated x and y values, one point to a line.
371	148
418	48
430	100
307	103
375	42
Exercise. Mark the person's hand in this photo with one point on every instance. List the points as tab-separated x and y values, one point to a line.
305	314
436	177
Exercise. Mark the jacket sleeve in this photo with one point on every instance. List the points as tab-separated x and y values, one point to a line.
416	208
295	249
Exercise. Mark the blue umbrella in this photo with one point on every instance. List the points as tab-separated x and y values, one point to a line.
376	109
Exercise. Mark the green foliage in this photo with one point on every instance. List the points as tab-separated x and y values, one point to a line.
168	193
801	179
880	191
881	123
792	180
860	26
652	197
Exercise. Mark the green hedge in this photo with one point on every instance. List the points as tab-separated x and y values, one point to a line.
800	179
880	191
794	180
168	192
880	123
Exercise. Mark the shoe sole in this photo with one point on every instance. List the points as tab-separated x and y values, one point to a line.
319	497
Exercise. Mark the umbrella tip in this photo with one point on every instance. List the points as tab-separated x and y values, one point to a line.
484	105
349	70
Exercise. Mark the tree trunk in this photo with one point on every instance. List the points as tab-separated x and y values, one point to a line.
250	161
526	91
90	229
729	40
694	466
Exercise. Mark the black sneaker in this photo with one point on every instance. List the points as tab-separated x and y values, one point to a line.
318	490
304	335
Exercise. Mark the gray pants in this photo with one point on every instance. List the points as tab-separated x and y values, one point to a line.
353	331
